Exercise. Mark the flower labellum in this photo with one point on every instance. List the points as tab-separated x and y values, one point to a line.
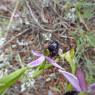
53	48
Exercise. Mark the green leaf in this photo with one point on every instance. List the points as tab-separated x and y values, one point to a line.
87	13
86	10
40	69
83	93
46	52
70	58
91	39
10	79
69	87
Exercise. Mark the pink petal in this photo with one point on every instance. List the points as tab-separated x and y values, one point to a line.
37	61
81	77
54	63
36	53
72	79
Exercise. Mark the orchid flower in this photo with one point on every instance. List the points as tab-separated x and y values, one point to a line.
78	81
41	59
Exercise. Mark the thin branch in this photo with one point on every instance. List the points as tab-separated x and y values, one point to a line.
12	16
13	38
36	20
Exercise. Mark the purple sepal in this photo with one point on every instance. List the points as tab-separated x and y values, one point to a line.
81	77
72	79
54	63
37	61
36	53
92	87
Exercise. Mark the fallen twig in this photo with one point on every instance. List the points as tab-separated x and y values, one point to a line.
13	38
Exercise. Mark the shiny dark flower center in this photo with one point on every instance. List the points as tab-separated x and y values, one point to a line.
53	48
